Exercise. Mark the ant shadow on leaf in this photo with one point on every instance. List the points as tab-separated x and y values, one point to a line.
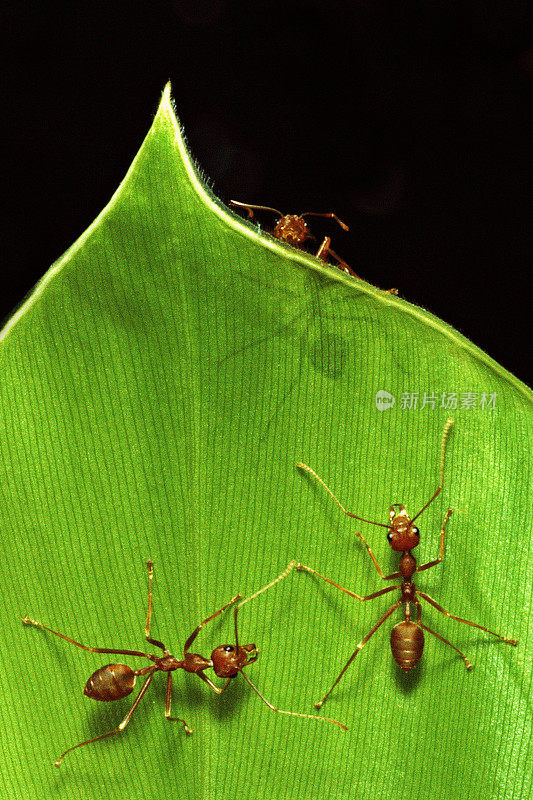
296	337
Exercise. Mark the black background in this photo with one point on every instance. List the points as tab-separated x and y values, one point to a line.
411	120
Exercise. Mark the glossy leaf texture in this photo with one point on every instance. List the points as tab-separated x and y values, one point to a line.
158	388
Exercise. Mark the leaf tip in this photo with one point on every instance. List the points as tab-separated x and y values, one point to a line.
167	93
166	105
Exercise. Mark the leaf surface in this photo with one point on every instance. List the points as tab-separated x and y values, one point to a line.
158	388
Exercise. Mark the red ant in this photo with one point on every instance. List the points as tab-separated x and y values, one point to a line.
116	681
292	229
407	638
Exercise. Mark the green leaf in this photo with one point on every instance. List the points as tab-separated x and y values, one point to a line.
158	388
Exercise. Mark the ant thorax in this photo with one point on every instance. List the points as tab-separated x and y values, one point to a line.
195	663
168	663
407	566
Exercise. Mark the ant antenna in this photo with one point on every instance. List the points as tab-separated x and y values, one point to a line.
348	513
260	591
283	575
449	423
258	208
290	713
333	216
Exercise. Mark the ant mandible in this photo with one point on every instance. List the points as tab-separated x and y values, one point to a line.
292	229
116	681
407	637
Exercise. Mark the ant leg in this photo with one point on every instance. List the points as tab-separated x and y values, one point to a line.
358	648
214	687
353	516
341	263
466	622
197	630
441	550
150	565
168	700
120	728
438	636
28	621
325	250
342	589
290	713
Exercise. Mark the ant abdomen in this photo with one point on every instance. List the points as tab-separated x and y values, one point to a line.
407	644
112	682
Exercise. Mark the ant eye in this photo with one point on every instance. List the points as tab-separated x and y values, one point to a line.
389	536
415	530
228	648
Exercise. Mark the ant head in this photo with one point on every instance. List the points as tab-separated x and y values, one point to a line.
228	659
292	229
402	535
